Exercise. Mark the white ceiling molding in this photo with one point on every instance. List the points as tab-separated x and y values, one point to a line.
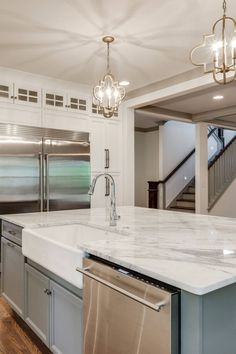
220	113
224	123
166	114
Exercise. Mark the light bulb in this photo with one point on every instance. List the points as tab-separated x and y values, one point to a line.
217	45
108	92
233	43
100	94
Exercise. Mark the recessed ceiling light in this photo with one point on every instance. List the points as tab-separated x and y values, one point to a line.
218	97
124	83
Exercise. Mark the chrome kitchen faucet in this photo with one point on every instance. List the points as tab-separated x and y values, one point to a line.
113	214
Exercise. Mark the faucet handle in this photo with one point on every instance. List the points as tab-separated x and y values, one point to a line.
117	217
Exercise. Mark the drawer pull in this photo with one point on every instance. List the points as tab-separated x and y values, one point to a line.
11	232
47	291
154	306
107	158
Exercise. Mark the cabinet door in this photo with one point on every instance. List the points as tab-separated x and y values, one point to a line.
12	279
76	104
27	96
37	302
114	145
97	141
55	100
66	321
6	92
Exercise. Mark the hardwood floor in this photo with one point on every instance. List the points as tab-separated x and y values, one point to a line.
15	336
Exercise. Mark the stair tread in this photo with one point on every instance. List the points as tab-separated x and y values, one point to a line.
180	199
182	208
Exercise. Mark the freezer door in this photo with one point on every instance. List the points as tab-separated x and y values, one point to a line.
67	180
19	184
20	175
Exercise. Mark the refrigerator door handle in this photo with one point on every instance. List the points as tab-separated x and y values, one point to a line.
46	182
107	183
41	181
107	158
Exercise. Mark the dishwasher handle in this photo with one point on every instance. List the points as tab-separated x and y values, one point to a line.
157	307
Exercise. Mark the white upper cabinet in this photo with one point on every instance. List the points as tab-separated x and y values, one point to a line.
6	92
63	101
20	94
54	100
76	104
27	96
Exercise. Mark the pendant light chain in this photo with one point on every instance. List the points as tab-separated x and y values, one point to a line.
224	7
108	58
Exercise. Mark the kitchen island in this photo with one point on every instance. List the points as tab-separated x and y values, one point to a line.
194	253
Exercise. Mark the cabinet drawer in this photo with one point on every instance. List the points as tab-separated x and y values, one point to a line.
12	232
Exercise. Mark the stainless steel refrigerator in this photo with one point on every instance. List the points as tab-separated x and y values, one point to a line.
43	169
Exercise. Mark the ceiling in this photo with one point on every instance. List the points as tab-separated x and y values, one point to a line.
62	38
203	101
193	107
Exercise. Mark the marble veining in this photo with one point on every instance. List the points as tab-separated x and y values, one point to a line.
196	253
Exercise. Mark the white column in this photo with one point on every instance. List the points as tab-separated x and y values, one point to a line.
128	124
161	152
201	168
161	192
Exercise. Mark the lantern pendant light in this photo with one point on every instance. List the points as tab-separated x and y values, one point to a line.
217	53
108	94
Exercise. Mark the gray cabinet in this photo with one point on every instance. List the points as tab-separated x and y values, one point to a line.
12	279
37	299
66	321
53	313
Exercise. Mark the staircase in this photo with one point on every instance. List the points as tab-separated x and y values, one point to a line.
185	201
222	171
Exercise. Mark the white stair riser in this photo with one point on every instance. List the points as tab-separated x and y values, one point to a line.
188	196
183	204
191	189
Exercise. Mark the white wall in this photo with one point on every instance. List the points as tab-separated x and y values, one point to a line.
226	205
229	135
177	140
146	164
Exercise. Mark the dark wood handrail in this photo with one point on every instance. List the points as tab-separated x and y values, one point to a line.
221	153
182	162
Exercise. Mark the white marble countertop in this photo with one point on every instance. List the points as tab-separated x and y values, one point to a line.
196	253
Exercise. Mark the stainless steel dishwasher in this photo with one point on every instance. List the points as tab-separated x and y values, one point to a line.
126	314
